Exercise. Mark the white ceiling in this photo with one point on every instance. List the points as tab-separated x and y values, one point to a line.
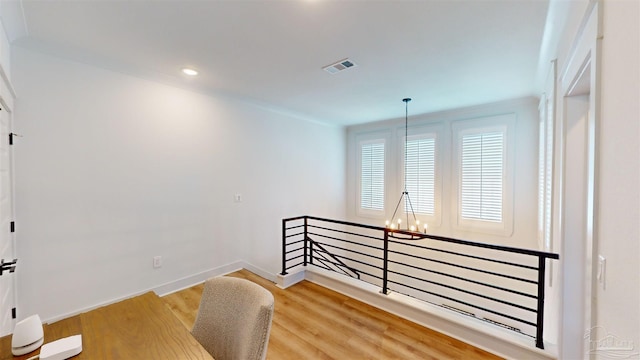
443	54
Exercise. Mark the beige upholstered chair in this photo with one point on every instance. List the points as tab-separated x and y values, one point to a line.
234	319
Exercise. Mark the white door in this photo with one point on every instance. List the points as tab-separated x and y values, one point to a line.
7	242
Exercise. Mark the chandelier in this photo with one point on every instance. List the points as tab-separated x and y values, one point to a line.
412	230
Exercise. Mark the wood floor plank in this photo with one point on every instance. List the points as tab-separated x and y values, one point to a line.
313	322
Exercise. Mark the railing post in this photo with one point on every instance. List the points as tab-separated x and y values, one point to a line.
540	321
284	247
385	262
306	242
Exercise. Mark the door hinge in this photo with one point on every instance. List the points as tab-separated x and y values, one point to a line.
12	226
13	313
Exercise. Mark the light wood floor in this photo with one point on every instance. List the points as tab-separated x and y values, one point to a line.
312	322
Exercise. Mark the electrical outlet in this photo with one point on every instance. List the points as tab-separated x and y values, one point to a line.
157	262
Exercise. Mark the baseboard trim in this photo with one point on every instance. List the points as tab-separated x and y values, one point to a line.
191	280
259	271
160	290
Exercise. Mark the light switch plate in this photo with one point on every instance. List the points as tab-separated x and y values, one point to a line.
602	270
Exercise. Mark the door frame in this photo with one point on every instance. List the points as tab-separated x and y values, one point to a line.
583	64
5	110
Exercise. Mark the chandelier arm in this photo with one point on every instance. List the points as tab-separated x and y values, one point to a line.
397	206
412	212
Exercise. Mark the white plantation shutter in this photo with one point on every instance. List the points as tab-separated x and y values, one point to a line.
545	172
420	175
482	176
548	183
372	176
541	176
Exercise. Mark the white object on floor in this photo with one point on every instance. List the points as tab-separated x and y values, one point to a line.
27	335
62	349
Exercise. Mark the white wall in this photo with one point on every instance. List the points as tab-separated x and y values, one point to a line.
618	188
113	170
526	162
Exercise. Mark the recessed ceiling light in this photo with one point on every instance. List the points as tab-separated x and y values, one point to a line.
190	72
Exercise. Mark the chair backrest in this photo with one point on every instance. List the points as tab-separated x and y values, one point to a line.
234	319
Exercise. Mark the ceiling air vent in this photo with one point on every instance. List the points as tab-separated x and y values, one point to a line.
339	66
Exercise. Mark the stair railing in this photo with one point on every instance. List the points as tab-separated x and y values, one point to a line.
504	286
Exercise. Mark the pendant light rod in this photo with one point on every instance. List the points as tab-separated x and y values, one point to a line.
406	135
406	141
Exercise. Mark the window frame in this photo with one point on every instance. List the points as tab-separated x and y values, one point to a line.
364	140
505	124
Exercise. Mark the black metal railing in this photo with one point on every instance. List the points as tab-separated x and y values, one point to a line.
501	285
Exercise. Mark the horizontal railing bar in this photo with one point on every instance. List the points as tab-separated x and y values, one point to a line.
343	271
323	250
465	255
342	257
294	227
465	303
292	266
465	267
295	218
347	241
295	242
451	240
294	250
323	266
368	282
467	280
419	268
322	261
362	272
349	250
465	291
346	232
295	257
371	227
292	235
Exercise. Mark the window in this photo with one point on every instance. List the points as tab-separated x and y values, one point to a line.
372	176
420	174
546	110
481	182
545	173
483	174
